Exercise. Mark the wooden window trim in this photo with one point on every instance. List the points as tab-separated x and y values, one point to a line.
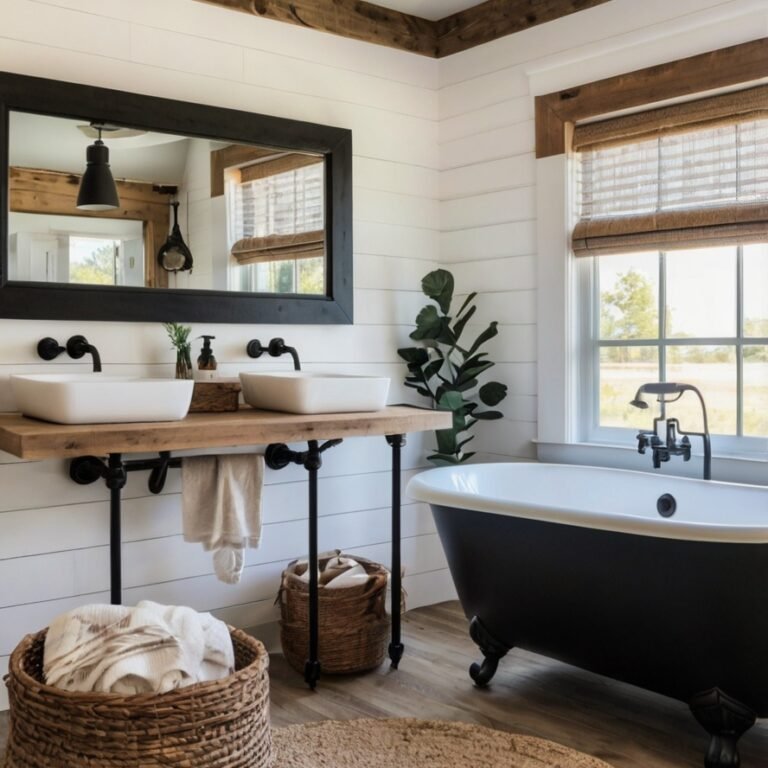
234	156
726	67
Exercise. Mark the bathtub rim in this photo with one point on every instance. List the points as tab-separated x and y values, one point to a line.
420	489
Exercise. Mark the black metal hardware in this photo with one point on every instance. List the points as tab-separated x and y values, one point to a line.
396	647
78	346
49	349
663	450
666	505
275	348
85	470
493	651
278	456
254	348
725	719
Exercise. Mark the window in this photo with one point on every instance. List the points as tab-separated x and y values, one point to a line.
277	220
673	222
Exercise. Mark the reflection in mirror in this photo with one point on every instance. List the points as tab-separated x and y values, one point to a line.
253	218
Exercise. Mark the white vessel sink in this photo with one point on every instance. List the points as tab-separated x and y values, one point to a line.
97	399
302	392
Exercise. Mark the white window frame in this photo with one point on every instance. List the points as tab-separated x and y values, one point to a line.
564	348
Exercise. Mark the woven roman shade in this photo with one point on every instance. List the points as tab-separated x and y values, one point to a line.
279	210
679	177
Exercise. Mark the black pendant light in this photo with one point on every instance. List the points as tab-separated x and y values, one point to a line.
174	255
97	187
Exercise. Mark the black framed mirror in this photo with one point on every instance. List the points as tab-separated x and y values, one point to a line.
263	206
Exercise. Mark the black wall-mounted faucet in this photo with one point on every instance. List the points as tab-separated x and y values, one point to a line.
663	450
275	348
49	349
78	346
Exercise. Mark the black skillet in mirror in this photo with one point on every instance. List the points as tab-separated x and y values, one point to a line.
119	206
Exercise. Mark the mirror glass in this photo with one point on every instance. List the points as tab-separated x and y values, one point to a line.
251	218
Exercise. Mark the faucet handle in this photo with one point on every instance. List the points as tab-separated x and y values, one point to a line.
644	440
254	348
49	349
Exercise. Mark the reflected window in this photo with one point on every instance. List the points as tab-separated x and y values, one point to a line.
277	225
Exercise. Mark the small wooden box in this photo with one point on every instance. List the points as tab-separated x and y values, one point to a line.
215	396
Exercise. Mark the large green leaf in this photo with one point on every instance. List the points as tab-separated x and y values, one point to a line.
414	355
466	303
443	459
466	457
458	326
492	393
473	373
487	334
488	415
432	369
438	285
428	324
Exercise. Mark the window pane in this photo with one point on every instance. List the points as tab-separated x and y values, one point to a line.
629	296
756	290
622	371
701	293
756	391
713	370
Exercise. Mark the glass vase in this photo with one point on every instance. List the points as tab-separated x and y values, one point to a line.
184	362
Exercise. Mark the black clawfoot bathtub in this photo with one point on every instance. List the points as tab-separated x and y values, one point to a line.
579	564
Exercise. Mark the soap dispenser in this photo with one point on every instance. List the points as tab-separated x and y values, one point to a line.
206	362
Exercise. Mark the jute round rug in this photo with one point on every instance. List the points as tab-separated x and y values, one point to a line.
417	744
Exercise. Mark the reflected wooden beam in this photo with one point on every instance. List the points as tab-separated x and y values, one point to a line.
34	190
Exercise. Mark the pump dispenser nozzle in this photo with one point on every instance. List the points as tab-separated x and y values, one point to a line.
206	362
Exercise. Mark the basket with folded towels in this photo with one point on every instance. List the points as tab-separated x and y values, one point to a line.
353	622
148	686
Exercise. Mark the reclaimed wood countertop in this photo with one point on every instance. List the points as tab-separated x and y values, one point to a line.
33	439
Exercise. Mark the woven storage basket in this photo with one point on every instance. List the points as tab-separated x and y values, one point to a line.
219	724
353	622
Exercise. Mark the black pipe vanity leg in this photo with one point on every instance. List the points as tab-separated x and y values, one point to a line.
278	456
116	479
396	647
312	665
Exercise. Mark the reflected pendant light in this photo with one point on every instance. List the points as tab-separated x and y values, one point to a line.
97	187
174	255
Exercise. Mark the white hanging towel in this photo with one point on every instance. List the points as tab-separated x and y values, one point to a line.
151	648
221	504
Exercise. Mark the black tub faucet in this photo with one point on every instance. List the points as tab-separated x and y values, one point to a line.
275	348
78	346
663	450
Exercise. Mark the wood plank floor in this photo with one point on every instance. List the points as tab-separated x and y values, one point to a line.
623	725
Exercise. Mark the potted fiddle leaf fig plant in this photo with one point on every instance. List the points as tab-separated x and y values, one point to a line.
446	369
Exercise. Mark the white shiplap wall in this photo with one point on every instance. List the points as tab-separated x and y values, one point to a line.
53	533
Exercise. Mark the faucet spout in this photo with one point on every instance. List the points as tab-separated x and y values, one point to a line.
663	450
78	346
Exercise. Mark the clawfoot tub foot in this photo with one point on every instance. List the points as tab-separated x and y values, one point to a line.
492	649
726	720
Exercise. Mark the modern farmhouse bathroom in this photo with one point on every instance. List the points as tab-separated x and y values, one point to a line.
383	383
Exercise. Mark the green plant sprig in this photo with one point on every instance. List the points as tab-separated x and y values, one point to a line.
447	372
179	335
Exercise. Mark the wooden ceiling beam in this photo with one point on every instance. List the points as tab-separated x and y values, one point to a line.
498	18
356	19
372	23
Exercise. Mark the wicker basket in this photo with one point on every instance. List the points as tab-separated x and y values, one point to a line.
219	724
353	622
